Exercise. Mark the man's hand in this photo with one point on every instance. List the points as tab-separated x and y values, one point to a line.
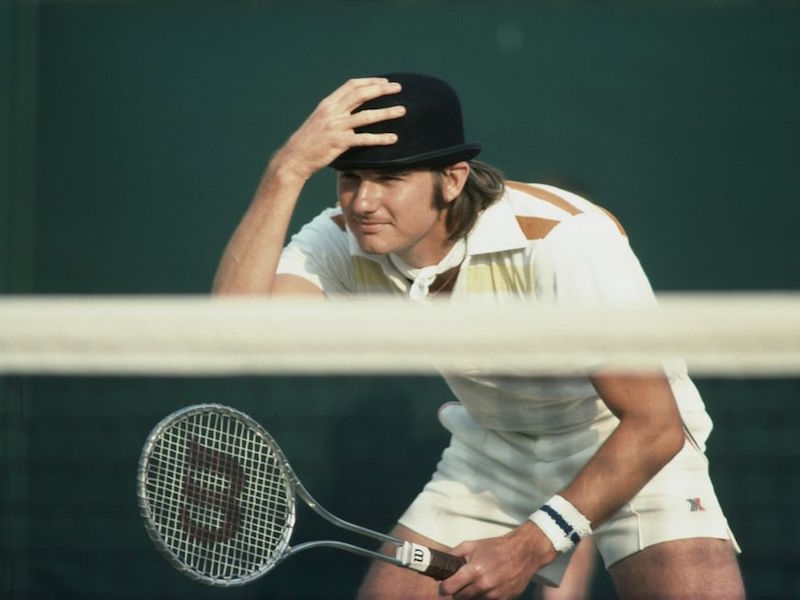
330	129
251	257
499	568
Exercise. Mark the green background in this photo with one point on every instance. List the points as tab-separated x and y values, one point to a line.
133	134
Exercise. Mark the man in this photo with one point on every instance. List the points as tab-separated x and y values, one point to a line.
534	464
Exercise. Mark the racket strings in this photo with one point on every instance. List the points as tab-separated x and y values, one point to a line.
218	495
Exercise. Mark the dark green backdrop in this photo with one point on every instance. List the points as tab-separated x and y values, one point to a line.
133	133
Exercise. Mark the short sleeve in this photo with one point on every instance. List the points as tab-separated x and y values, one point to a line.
319	254
586	261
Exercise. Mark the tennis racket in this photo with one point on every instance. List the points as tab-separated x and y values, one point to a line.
218	499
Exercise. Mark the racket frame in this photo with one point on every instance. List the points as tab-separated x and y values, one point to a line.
293	487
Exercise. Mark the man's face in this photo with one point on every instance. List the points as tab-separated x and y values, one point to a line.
395	212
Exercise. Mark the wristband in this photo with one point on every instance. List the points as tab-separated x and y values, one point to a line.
562	523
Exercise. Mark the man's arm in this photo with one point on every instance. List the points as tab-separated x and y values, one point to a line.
649	434
251	257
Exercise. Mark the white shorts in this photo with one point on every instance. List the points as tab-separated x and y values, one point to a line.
489	482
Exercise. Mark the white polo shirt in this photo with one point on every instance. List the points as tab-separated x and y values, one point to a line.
537	242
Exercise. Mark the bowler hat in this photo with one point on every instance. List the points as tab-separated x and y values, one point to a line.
430	134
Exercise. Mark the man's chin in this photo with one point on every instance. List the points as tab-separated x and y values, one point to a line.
370	247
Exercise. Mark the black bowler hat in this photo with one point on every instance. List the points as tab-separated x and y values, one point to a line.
430	134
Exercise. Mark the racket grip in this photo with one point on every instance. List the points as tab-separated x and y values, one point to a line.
433	563
443	565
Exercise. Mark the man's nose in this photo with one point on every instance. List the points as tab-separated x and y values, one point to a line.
366	197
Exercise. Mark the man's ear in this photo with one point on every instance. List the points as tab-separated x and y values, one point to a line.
454	177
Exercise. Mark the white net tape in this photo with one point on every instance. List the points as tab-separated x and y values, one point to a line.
731	335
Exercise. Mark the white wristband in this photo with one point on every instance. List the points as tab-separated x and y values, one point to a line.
562	523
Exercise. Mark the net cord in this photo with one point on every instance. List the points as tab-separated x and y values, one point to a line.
732	335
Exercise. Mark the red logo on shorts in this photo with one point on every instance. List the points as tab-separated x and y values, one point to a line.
694	505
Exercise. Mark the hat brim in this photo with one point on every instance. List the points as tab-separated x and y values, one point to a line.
435	158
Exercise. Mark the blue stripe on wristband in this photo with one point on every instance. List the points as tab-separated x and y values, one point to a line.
561	522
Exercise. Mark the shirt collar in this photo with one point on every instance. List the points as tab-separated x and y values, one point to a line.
497	230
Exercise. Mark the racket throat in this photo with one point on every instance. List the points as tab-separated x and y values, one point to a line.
414	556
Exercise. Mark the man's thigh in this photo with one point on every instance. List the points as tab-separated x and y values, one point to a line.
696	568
385	581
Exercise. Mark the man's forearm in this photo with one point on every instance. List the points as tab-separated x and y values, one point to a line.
650	433
628	459
249	262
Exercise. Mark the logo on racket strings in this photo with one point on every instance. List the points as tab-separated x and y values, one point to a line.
207	498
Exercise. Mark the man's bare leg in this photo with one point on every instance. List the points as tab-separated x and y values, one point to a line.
696	569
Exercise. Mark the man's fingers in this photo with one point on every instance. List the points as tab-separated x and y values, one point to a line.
331	128
357	91
467	593
372	139
351	84
368	117
465	589
356	96
459	580
375	115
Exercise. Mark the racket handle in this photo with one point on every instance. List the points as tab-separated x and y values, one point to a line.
443	565
433	563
